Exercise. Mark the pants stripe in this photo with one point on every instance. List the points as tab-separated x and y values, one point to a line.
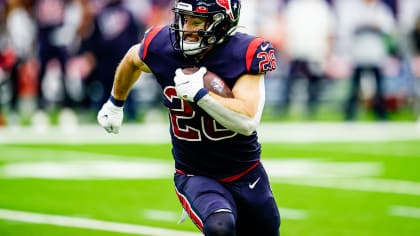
187	206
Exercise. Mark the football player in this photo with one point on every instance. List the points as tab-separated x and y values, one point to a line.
219	178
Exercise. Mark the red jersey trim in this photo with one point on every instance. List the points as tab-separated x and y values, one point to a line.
180	172
252	48
187	206
228	179
235	177
153	32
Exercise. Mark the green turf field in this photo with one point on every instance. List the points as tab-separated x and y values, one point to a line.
323	189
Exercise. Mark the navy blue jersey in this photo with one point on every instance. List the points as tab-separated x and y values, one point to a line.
201	146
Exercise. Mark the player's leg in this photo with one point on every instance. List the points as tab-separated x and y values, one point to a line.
210	205
257	210
379	102
352	101
220	224
291	78
314	88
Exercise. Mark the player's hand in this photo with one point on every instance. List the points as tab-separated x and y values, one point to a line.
187	86
110	117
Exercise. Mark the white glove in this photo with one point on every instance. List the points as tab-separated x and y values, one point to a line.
110	117
187	86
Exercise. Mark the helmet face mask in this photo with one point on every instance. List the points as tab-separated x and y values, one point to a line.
218	18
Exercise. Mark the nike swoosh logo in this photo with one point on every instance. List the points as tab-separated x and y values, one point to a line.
252	185
265	47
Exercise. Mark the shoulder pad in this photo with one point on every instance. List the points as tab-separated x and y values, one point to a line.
148	37
260	56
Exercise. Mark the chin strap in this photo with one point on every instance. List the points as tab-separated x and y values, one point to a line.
233	30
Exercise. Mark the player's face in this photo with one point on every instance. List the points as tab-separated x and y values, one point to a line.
192	23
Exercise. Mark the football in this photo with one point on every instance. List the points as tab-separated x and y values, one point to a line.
212	82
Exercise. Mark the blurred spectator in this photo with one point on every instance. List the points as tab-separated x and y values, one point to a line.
19	57
21	27
2	69
57	52
142	10
114	32
270	22
160	9
368	36
263	18
309	34
415	39
52	53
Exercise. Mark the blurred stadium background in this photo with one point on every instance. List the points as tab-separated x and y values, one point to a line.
342	148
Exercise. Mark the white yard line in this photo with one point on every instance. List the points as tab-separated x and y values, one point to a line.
63	164
338	131
359	184
85	223
292	214
170	216
40	154
305	173
66	221
60	165
130	133
268	132
405	211
161	215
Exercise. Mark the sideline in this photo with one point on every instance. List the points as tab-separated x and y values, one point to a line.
267	132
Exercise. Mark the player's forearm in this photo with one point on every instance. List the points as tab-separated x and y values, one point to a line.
242	113
249	96
126	75
231	113
235	105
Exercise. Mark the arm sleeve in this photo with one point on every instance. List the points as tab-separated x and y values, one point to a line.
231	120
234	121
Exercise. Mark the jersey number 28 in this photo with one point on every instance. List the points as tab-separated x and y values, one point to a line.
185	114
268	62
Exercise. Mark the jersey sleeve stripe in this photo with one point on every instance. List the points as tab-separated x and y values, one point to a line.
250	52
150	37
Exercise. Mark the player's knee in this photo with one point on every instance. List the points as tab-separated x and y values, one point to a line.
220	224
